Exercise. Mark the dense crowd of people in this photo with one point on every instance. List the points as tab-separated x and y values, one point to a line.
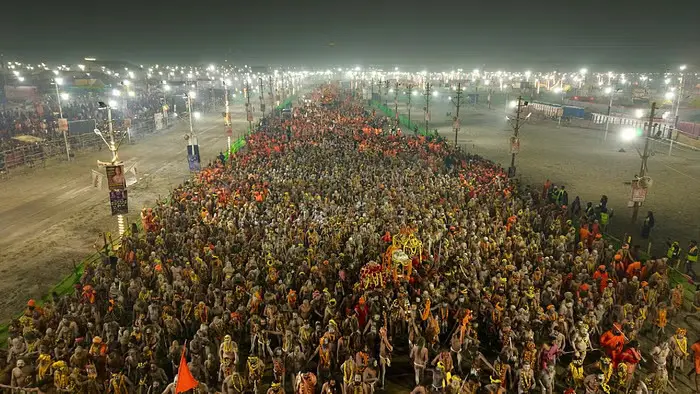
40	119
332	251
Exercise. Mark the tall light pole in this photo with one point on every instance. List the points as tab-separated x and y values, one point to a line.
515	142
560	90
645	156
396	106
248	114
680	96
458	103
427	105
166	88
59	81
227	115
192	138
611	92
410	94
113	148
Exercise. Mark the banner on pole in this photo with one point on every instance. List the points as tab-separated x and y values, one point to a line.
118	201
63	125
115	177
514	145
193	158
97	179
639	193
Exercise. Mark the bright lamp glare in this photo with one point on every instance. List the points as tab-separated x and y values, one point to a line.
668	95
557	90
638	113
197	115
132	93
665	115
192	94
435	93
513	104
628	134
113	103
415	93
683	67
127	82
608	90
65	96
116	92
59	81
166	87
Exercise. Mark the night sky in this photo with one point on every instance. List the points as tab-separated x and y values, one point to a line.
409	34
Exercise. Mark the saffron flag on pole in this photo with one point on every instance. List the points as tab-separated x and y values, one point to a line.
185	380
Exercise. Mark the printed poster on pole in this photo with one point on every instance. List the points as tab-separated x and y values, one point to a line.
514	145
63	125
639	194
115	177
118	201
193	159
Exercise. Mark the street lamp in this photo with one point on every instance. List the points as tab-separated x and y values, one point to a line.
59	81
116	92
189	96
611	92
64	96
680	95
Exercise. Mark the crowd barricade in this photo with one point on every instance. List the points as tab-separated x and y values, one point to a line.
31	155
36	154
409	125
658	129
690	129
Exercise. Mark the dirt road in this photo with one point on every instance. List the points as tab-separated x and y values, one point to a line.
51	216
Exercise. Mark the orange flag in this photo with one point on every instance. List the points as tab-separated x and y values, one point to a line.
185	380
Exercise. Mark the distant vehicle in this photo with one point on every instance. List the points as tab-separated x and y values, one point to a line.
286	113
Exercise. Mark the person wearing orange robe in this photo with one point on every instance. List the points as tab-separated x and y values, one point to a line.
613	341
696	367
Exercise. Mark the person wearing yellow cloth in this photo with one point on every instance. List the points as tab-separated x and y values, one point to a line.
691	259
526	379
61	376
440	378
678	344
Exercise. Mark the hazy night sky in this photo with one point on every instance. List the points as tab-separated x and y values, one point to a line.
405	33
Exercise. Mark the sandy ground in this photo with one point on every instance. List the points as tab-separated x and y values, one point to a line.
52	216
